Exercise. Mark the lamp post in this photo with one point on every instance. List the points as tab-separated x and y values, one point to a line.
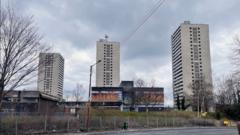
89	94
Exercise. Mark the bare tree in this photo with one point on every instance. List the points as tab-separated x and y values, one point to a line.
148	98
19	50
236	54
227	96
78	92
202	98
228	91
140	83
152	83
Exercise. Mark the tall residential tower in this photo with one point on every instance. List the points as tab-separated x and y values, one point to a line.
108	70
190	58
50	74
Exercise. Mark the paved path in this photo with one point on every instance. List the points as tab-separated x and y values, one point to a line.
170	131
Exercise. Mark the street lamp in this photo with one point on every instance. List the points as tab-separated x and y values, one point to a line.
89	93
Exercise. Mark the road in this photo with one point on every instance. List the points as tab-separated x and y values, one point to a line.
168	131
186	132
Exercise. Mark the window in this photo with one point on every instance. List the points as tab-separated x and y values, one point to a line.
47	84
107	78
195	37
195	51
197	75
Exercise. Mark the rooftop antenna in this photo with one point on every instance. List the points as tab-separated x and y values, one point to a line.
106	37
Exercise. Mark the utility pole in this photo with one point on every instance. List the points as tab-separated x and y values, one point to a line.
89	95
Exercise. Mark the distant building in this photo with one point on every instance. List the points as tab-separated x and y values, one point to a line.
128	98
73	107
126	84
51	74
191	60
108	70
141	99
29	102
107	97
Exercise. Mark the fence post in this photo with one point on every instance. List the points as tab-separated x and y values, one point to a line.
114	122
100	122
165	121
147	121
173	118
16	124
45	124
68	121
172	121
128	121
81	122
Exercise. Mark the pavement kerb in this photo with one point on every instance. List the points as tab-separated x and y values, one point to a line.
150	129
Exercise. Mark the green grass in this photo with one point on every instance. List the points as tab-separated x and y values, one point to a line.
182	114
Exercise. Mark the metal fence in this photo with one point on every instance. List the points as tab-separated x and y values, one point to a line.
26	124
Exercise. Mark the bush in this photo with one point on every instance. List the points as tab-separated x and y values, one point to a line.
229	111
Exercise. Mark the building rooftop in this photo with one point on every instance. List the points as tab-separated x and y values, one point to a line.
28	94
107	88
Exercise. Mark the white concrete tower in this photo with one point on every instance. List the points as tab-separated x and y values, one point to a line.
190	57
108	70
51	74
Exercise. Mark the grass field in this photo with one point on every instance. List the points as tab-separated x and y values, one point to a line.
101	120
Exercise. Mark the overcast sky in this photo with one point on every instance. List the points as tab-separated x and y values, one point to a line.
72	28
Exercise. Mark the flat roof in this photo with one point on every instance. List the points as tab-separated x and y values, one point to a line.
107	88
